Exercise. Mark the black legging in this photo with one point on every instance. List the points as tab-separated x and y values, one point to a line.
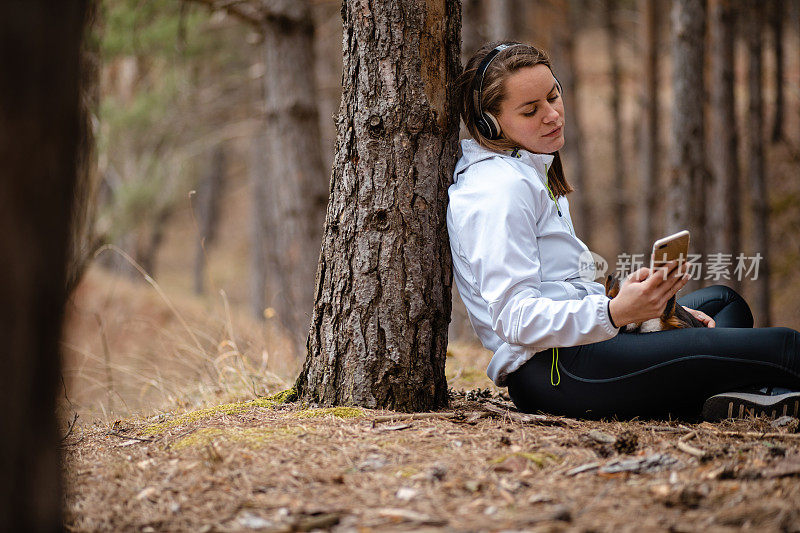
665	373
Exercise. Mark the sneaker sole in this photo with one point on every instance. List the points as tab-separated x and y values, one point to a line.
743	405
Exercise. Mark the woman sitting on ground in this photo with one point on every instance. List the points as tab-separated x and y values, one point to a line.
554	335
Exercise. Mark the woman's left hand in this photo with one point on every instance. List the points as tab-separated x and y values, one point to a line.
702	317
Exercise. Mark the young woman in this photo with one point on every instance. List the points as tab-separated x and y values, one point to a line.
554	335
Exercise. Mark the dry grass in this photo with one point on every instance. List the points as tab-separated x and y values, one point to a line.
264	467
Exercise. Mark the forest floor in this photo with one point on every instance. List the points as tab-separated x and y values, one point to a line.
270	465
479	466
177	432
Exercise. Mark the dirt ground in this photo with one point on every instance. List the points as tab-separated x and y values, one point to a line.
272	466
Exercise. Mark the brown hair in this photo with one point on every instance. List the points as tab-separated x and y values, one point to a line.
506	62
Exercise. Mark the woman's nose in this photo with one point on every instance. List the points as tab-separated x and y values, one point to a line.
551	114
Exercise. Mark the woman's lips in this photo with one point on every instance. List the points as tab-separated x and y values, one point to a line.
555	132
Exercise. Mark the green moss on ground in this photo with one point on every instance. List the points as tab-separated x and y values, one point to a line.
339	412
269	402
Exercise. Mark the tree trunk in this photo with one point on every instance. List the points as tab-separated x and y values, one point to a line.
499	19
473	30
567	72
206	208
777	12
724	214
379	331
83	242
755	169
295	187
40	48
650	150
686	191
620	190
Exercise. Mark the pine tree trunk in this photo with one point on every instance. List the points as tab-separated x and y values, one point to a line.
686	190
294	182
724	214
83	242
777	12
567	72
650	150
379	331
620	190
206	208
755	158
473	30
499	19
40	47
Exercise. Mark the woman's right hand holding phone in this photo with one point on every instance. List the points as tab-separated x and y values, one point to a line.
644	294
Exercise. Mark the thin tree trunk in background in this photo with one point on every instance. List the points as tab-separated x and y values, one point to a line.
620	190
566	71
40	129
650	150
473	30
258	226
295	185
755	168
379	332
498	19
686	189
777	13
151	242
724	210
207	205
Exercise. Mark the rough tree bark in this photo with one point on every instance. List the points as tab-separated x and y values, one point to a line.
724	214
686	190
620	190
759	236
650	150
378	335
294	183
40	46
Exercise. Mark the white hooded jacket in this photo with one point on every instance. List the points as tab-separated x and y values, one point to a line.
516	260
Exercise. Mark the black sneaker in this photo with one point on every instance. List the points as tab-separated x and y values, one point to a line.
748	404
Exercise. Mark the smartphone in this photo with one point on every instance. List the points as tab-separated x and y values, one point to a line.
672	248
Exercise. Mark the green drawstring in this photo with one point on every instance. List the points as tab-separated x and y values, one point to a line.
554	366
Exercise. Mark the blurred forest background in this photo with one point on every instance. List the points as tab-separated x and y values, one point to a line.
214	132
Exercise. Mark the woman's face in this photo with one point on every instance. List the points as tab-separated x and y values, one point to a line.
532	114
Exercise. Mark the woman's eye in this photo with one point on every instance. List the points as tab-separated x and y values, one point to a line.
553	98
530	113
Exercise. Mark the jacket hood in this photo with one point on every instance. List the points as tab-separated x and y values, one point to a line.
472	152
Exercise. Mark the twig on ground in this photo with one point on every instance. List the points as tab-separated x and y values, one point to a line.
583	468
413	416
120	435
70	427
691	450
525	418
688	436
756	434
667	429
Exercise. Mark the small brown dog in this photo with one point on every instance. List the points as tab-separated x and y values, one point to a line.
673	317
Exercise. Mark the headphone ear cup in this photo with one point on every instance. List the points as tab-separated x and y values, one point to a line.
493	126
483	126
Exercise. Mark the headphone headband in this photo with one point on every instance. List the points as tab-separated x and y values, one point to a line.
477	88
